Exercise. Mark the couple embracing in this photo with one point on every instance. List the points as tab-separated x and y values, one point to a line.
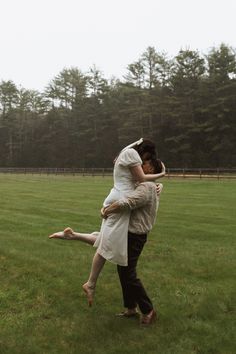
129	213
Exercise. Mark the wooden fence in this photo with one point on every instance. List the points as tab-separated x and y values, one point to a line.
219	173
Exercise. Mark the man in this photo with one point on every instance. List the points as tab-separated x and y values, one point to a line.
143	203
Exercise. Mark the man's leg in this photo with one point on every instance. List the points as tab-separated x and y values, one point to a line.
133	291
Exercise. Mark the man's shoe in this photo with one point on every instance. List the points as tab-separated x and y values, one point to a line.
128	314
148	319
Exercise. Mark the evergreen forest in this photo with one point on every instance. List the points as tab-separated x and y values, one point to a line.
185	104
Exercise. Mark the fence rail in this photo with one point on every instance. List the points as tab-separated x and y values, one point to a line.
218	173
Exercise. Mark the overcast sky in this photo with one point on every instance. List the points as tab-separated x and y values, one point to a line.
38	38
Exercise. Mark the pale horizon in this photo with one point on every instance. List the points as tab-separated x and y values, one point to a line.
40	38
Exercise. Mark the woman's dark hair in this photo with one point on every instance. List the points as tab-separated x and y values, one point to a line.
146	150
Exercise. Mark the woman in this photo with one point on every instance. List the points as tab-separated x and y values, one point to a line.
111	242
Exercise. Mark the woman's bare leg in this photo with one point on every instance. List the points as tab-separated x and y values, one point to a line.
69	234
89	287
98	260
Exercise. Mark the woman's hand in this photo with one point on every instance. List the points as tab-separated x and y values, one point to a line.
163	169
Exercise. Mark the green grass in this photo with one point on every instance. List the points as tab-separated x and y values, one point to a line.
188	268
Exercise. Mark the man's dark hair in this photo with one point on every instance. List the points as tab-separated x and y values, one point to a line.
157	165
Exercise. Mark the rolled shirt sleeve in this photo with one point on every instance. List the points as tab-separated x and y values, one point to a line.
143	203
136	199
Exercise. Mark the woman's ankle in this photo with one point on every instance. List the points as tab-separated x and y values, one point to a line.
68	231
91	285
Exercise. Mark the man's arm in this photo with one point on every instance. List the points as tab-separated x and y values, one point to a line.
136	199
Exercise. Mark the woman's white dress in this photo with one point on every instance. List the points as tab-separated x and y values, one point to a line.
112	240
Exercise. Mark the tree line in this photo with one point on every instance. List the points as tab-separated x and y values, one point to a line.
186	104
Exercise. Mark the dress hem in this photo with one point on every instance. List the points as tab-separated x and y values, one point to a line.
103	254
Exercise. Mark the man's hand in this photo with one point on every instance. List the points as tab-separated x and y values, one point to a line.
103	213
159	187
112	208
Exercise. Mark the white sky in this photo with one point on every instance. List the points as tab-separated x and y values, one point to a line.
38	38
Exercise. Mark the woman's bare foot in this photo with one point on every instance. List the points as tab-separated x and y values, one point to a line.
89	291
67	234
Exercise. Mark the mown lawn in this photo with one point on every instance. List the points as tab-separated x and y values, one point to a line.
188	268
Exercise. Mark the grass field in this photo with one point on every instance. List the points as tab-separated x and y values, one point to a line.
188	268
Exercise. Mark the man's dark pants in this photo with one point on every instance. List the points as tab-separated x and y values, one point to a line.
133	291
